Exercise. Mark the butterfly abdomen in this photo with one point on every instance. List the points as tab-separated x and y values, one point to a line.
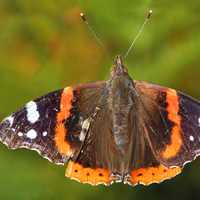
120	104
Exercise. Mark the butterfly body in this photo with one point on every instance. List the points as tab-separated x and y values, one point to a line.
120	103
119	130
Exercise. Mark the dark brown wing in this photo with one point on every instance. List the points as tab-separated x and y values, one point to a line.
170	124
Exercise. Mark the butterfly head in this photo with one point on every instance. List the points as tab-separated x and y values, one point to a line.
118	68
121	82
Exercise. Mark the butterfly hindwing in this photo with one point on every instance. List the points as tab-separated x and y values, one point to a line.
94	162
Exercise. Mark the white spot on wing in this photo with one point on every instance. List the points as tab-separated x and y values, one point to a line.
191	138
199	121
32	112
44	133
82	135
85	127
20	134
32	134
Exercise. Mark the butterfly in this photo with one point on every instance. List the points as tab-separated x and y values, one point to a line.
119	130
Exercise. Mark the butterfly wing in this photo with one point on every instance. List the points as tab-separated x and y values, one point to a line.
51	124
170	125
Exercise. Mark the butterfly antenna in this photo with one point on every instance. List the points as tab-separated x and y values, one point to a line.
139	33
84	19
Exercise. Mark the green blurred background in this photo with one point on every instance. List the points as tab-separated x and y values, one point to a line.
45	46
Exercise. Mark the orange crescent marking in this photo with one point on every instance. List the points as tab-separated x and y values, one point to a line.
150	175
173	148
60	132
88	175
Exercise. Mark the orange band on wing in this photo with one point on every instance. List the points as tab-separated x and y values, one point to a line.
150	175
60	133
176	141
88	175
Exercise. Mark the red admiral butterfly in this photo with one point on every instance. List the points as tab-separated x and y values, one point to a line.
120	130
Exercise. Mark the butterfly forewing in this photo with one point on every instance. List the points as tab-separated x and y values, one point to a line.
33	127
52	124
172	123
